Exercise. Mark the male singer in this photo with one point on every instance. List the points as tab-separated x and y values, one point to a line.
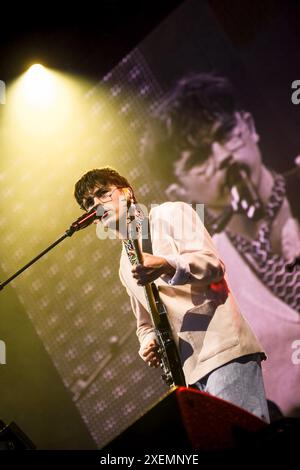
219	353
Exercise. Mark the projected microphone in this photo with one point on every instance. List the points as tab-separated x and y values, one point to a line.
243	193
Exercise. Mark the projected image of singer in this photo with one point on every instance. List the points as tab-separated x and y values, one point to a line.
204	148
217	349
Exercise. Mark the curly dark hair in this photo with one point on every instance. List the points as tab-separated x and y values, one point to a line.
198	111
97	178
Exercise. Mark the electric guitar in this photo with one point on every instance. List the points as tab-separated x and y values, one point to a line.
170	362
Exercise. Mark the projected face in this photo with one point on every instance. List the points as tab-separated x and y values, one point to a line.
114	205
205	182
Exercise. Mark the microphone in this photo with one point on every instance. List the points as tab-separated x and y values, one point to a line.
244	196
86	219
219	223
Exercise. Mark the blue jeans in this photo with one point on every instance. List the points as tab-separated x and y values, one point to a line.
240	382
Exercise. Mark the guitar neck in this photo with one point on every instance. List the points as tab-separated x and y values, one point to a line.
170	360
147	288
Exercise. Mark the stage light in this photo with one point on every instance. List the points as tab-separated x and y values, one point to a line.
38	85
36	69
43	102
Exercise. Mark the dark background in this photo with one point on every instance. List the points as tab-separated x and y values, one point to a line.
86	39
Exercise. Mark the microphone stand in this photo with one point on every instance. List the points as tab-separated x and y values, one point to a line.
81	222
82	384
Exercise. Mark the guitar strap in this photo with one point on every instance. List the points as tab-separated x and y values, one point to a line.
146	236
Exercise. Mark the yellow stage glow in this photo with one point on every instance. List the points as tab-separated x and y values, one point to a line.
38	85
44	103
45	148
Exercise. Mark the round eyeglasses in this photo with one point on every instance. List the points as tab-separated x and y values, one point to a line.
102	194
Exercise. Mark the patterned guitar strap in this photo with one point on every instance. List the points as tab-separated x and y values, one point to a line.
140	226
268	266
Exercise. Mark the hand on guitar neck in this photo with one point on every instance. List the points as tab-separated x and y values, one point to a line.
151	354
152	268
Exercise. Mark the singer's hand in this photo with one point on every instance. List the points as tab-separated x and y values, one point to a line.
151	355
152	268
